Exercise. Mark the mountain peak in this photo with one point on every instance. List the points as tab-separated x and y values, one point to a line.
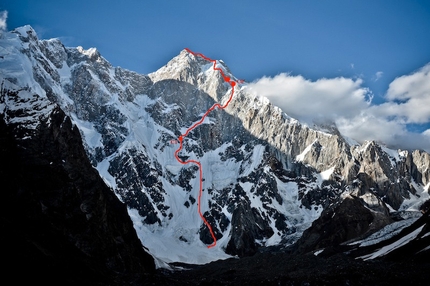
92	53
26	33
183	67
189	67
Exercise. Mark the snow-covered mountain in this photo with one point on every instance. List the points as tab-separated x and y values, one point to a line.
267	177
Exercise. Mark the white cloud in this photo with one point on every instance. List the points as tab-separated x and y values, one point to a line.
409	97
309	100
415	85
378	75
346	102
3	19
390	132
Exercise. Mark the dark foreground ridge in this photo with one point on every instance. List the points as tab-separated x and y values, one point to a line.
61	224
337	263
286	269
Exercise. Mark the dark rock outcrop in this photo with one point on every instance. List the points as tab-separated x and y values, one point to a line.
60	222
348	220
248	226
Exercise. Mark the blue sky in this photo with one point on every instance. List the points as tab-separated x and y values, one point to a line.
369	42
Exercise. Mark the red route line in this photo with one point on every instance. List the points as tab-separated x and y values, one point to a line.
181	137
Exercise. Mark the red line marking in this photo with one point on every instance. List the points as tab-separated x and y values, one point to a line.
181	137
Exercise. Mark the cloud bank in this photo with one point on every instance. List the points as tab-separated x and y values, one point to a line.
346	102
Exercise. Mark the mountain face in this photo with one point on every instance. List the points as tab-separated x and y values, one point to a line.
268	180
61	224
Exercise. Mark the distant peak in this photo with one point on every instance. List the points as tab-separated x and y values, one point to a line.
26	32
92	53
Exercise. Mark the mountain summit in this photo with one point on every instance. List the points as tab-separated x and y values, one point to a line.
268	180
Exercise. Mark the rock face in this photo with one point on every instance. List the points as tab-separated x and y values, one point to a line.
349	220
61	222
267	177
